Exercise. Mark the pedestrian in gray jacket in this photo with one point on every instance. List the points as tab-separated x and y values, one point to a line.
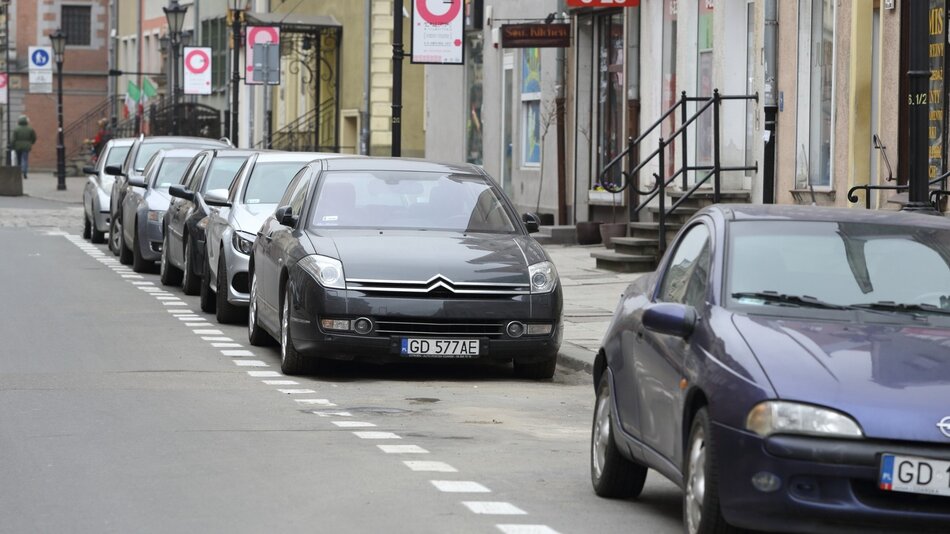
23	139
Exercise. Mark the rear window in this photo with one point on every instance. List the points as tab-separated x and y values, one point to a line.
117	155
170	172
147	150
268	181
222	172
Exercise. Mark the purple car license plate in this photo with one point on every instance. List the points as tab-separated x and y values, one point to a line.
912	474
438	348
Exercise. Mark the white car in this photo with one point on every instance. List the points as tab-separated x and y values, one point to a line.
98	189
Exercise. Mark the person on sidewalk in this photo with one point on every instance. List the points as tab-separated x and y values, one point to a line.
102	137
23	139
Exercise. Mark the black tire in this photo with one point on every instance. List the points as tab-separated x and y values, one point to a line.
255	332
539	370
168	273
612	475
114	234
207	296
291	362
189	280
139	264
701	459
226	312
96	236
86	227
125	253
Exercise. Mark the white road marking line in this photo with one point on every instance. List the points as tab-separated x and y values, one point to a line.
296	391
526	529
172	303
437	467
164	297
183	317
321	402
180	312
493	508
376	435
216	338
281	382
143	283
250	363
198	324
459	486
332	414
237	352
353	424
225	345
131	276
402	449
207	332
264	374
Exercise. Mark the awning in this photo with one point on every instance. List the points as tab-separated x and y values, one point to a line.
293	22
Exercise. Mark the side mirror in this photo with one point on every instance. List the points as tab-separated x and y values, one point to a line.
531	222
89	170
218	198
285	216
179	191
137	182
671	319
114	170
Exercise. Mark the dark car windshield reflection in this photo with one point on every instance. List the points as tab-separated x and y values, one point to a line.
410	200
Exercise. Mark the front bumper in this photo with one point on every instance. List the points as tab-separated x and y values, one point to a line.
237	264
827	485
150	239
396	318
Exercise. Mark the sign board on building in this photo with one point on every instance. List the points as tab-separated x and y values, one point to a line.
267	63
603	3
438	31
41	69
257	35
197	61
535	35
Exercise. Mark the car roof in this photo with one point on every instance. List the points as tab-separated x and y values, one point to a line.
304	157
398	164
122	141
177	152
767	212
183	140
236	152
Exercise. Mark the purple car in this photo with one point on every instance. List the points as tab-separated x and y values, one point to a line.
789	368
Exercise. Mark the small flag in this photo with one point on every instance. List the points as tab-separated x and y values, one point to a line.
132	95
148	91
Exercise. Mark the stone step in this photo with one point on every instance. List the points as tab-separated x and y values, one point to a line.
623	263
648	230
637	246
704	197
681	215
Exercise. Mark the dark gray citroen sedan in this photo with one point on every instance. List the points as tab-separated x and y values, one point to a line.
388	260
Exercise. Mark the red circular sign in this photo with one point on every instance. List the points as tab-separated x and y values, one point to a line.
454	9
260	34
197	61
3	80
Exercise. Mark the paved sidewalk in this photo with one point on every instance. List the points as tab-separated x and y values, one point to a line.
590	294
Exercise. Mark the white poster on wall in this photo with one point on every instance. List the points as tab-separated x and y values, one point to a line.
438	30
197	61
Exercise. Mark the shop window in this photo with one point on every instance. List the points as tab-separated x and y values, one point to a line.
669	91
704	79
531	106
77	25
751	105
473	153
816	92
610	92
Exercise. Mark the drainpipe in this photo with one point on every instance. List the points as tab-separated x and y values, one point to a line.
368	48
770	100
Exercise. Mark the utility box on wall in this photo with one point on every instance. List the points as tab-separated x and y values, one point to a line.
11	182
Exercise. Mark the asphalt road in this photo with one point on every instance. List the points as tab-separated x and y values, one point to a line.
122	412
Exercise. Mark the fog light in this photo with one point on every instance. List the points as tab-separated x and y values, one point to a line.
766	482
539	329
363	325
335	324
515	329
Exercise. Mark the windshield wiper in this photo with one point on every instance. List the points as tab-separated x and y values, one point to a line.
796	300
887	305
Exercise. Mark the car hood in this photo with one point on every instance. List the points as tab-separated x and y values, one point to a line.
893	378
249	217
418	256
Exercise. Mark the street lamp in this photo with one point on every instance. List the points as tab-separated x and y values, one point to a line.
58	39
176	19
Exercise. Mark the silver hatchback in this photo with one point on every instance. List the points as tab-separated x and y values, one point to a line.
236	216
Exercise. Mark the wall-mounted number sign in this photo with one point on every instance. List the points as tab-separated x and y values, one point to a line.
603	3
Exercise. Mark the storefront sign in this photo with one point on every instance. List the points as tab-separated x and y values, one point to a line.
603	3
535	35
937	49
437	32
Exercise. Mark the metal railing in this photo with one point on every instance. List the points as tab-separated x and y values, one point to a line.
85	127
935	194
661	182
301	134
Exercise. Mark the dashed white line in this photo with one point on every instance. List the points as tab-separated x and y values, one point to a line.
493	508
323	413
459	486
281	382
131	276
263	374
434	467
144	283
170	303
353	424
170	297
377	435
216	338
321	402
225	345
526	529
201	324
402	449
237	353
250	363
296	391
207	332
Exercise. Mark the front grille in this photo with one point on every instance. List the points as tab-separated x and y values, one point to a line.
437	287
420	328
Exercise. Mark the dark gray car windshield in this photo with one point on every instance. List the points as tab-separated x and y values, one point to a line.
269	180
839	263
411	200
170	172
222	172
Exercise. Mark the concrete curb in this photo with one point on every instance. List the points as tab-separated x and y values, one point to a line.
575	357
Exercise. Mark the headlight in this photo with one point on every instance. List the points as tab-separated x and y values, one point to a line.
777	417
242	243
327	271
543	277
155	216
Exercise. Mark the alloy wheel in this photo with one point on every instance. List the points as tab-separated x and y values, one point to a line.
601	434
696	483
252	306
284	327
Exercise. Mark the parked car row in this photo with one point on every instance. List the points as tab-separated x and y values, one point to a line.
348	258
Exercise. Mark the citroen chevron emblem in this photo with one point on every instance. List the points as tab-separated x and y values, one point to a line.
944	426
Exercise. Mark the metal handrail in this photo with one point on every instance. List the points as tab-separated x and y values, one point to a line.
853	197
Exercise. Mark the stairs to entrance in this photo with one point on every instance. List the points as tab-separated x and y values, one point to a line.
640	251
